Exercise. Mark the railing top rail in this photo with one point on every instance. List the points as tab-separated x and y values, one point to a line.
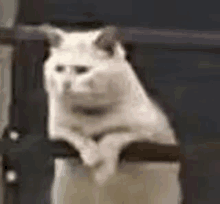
166	37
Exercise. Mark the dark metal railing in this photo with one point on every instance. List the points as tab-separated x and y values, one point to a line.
165	37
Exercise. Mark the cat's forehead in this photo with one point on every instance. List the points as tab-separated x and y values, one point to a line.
72	55
79	40
72	58
78	47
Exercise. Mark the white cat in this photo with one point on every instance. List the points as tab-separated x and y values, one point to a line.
93	90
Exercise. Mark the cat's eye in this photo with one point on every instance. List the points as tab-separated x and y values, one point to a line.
60	68
81	69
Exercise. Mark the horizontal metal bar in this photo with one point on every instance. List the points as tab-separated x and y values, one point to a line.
144	151
166	37
139	151
172	37
6	35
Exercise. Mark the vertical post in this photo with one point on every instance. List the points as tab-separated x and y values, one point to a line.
30	156
5	96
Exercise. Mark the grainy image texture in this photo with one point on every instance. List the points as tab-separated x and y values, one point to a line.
93	91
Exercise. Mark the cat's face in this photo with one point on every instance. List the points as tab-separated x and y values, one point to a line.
85	65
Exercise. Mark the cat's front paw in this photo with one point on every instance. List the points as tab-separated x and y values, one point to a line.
104	172
91	155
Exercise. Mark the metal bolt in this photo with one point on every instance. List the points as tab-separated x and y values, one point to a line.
11	176
14	135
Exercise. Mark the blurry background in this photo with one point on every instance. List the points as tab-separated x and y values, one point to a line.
8	9
188	14
189	79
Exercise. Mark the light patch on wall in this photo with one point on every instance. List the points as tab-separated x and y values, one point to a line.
207	64
215	17
178	92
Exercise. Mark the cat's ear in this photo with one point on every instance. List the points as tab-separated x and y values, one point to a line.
108	39
53	35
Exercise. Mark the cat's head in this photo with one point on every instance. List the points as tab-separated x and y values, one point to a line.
85	64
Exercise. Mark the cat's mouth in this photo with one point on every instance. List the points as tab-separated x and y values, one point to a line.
91	111
85	95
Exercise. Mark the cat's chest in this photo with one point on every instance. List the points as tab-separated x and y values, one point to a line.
92	121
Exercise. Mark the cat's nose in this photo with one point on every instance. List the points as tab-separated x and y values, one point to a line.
67	85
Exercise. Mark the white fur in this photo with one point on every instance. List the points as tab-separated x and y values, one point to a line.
110	83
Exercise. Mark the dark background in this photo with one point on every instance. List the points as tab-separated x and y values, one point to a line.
189	79
187	14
